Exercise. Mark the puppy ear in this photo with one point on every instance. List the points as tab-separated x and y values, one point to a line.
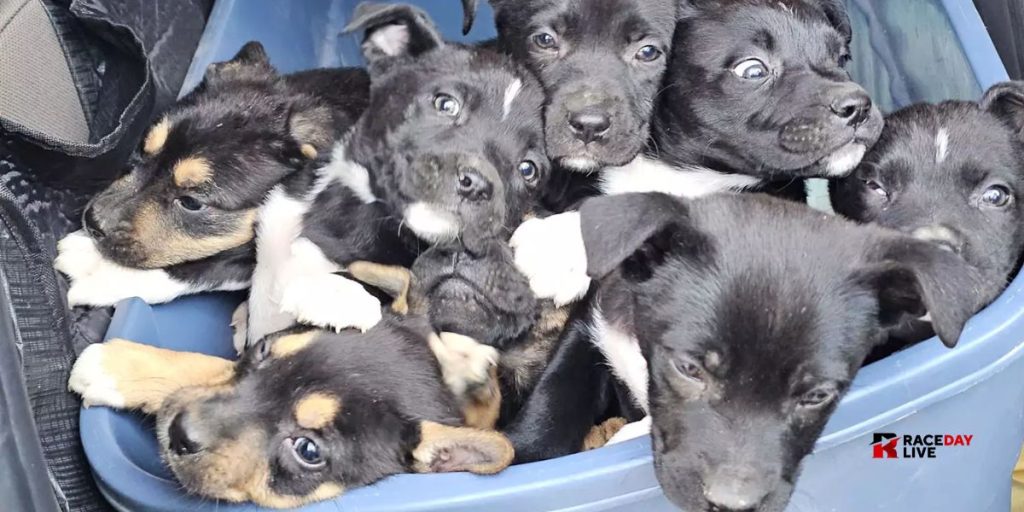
251	63
838	17
913	278
393	32
468	15
312	128
444	449
636	231
1006	101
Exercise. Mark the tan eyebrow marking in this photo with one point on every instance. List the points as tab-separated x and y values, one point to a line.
157	137
316	410
192	172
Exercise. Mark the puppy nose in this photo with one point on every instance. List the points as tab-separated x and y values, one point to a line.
589	125
90	224
473	186
947	238
853	106
735	489
177	434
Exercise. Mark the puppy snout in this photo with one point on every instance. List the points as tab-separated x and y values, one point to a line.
852	105
473	185
947	238
735	489
180	440
91	224
590	124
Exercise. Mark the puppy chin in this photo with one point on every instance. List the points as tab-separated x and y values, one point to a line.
844	160
430	223
580	164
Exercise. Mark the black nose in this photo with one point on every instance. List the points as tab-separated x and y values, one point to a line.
735	489
854	107
177	434
89	222
473	186
589	125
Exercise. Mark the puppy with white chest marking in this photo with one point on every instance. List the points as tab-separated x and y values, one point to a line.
951	174
449	154
737	322
183	217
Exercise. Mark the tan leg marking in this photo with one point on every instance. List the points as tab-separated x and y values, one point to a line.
443	448
600	434
394	281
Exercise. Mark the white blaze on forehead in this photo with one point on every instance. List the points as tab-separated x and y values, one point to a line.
392	40
941	145
511	92
430	223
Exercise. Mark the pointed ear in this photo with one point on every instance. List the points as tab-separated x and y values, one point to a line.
393	32
249	64
392	280
913	278
444	449
468	15
838	17
636	231
1006	101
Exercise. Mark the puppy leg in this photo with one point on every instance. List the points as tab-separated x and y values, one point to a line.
551	254
240	327
601	434
128	375
632	431
470	370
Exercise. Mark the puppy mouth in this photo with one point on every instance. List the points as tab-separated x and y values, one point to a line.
841	162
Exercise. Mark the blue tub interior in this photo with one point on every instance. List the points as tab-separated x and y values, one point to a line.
974	389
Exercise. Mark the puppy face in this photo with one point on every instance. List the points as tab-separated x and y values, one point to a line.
600	62
192	188
759	87
453	134
347	418
951	173
749	351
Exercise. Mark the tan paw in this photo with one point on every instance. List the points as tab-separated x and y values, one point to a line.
599	435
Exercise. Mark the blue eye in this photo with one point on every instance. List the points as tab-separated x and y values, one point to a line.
544	40
447	105
528	170
648	54
997	196
307	452
751	69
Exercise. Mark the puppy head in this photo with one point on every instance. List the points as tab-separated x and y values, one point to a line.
951	173
453	135
344	420
192	188
754	316
601	64
761	87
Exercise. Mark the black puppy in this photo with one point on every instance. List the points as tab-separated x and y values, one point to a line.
181	220
737	322
449	154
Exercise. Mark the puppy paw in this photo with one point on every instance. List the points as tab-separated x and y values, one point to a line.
92	381
331	302
240	327
599	435
551	254
465	363
77	255
632	431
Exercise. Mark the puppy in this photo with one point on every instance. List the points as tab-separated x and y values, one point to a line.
181	220
951	174
450	153
737	322
301	418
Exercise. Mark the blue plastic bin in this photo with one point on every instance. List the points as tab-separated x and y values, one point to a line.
976	389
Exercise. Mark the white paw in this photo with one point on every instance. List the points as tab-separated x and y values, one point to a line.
465	362
77	255
89	379
330	301
632	431
240	327
551	254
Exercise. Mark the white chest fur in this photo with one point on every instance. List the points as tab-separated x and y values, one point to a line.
622	351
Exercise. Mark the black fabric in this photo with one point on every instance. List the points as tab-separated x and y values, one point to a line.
1005	22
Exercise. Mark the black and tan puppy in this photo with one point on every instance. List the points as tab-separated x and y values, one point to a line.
182	218
301	418
737	322
449	154
951	173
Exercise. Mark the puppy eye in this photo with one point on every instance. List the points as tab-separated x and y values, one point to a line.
751	69
447	105
545	41
816	397
996	196
528	170
689	370
307	453
189	203
876	188
648	54
845	59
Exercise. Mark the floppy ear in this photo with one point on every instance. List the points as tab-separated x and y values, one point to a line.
1006	101
913	278
249	64
393	32
444	449
838	17
636	231
468	15
312	128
